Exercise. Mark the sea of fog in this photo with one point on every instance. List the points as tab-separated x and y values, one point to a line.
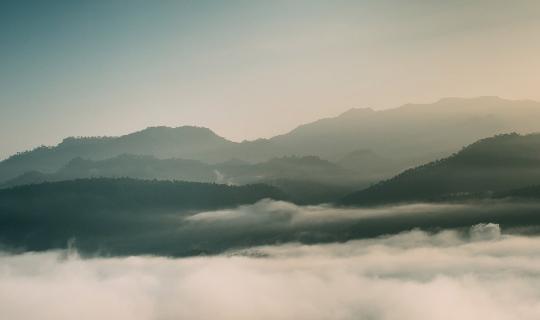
481	273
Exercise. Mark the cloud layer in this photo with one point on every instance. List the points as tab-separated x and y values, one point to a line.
412	275
267	222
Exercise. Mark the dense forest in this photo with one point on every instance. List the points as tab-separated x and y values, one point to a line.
45	216
126	217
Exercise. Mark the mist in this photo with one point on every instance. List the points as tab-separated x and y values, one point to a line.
480	274
164	231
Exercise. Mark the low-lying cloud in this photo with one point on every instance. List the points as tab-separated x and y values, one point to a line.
413	275
267	222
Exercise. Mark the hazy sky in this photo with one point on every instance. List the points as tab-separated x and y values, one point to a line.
249	69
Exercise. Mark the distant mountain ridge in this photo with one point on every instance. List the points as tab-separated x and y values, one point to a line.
161	142
408	136
414	131
295	174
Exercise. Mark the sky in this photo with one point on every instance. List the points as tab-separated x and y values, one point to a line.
249	69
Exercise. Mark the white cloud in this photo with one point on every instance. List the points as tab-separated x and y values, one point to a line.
413	275
485	231
271	209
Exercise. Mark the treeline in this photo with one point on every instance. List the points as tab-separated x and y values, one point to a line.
93	211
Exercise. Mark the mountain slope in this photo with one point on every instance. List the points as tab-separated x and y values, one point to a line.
369	165
494	164
309	168
110	213
306	179
416	132
161	142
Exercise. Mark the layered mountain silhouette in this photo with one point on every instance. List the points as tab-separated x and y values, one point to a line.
486	167
126	165
306	179
122	195
404	137
368	164
161	142
413	133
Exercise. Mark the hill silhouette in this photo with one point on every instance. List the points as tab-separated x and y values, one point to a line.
488	166
305	179
161	142
45	216
131	166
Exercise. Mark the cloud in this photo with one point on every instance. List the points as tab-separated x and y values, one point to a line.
412	275
267	222
485	231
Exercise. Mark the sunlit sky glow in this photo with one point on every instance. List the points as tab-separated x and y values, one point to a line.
249	69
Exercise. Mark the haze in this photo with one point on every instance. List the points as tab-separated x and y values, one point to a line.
248	69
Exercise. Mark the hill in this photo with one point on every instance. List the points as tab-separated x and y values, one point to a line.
413	133
488	166
131	166
93	211
161	142
307	180
304	179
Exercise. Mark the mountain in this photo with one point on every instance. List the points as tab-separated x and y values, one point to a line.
160	142
291	167
131	194
407	136
368	164
109	217
491	165
413	132
141	167
100	213
305	179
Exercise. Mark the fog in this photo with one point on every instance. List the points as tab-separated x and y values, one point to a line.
480	273
182	233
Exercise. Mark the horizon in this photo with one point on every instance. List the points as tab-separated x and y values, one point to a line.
53	144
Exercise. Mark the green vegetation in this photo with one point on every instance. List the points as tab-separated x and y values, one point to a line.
45	216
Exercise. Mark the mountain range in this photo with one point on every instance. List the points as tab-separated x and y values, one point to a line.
391	140
306	179
186	191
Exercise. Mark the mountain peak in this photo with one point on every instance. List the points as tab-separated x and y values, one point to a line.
181	129
355	112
